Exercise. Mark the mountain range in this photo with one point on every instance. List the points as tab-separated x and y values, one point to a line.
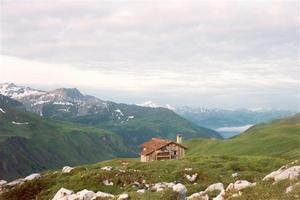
44	130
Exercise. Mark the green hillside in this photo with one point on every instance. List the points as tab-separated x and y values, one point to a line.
278	138
29	143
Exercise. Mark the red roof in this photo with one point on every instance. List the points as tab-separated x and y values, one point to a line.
155	144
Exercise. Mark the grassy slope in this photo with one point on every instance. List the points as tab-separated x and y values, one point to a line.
46	144
211	169
278	138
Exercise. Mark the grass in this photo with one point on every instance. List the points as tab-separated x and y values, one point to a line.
211	169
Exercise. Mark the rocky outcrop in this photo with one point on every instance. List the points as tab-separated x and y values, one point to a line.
64	194
283	173
67	169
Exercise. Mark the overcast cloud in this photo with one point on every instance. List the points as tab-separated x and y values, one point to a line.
229	54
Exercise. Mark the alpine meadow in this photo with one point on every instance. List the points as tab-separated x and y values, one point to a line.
150	100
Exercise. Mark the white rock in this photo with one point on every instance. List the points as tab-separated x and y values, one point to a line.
141	191
85	195
234	175
32	177
103	195
106	182
283	173
2	182
107	168
62	194
239	185
188	169
213	187
180	189
123	197
16	182
67	169
291	188
159	189
191	178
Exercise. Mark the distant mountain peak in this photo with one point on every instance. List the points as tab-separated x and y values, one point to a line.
73	93
151	104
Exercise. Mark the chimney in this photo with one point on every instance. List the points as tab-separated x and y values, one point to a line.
179	139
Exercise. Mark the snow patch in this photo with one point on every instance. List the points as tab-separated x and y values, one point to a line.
1	110
20	123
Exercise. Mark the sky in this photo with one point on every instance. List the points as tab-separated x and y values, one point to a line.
225	53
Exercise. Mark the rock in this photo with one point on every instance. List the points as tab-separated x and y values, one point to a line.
103	195
198	196
234	175
106	182
191	178
141	191
180	189
123	197
188	169
283	173
67	169
239	185
85	195
62	193
213	187
159	189
107	168
291	188
32	177
16	182
2	182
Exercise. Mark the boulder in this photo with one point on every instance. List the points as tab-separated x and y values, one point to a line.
180	189
239	185
62	194
16	182
84	195
123	196
32	177
234	175
283	173
103	195
67	169
213	187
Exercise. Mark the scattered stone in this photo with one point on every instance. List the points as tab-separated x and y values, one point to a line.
2	182
32	177
191	178
85	195
62	194
283	173
106	182
107	168
180	189
239	185
213	187
141	191
123	197
237	194
67	169
188	169
234	175
103	195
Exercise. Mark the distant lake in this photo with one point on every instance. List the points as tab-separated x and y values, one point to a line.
228	132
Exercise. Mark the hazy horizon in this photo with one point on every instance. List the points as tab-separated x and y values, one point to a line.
216	54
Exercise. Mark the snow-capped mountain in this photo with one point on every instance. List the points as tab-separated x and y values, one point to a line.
151	104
